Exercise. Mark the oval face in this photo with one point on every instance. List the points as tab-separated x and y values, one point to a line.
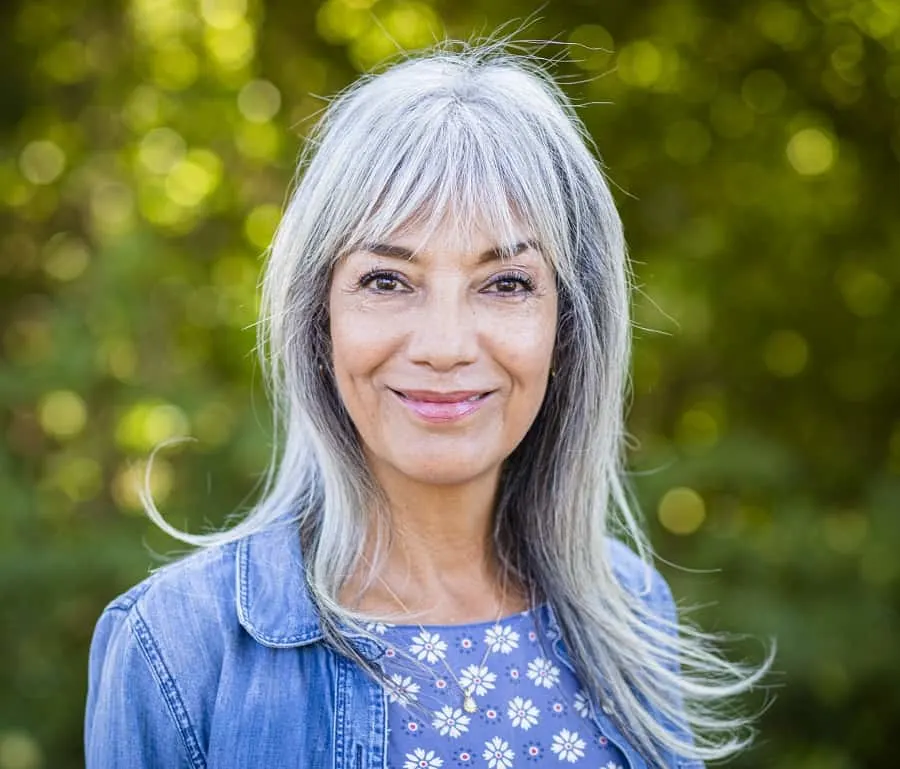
442	349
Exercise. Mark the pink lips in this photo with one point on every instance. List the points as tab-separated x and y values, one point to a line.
442	407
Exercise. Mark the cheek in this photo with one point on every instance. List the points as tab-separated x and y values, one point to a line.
352	344
361	341
526	350
352	332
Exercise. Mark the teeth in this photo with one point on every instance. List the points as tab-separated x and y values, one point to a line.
471	398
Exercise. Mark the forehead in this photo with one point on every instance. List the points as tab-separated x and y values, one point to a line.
455	237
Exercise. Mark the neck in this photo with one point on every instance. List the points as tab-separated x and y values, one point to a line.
438	563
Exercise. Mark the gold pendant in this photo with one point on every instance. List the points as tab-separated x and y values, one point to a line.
469	704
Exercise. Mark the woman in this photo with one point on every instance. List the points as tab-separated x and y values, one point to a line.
428	580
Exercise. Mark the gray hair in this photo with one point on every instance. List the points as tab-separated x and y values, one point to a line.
480	133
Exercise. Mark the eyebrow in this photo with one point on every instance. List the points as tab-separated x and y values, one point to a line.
498	253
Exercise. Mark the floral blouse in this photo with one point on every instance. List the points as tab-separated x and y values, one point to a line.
531	710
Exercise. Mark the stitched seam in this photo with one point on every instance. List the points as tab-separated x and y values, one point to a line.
243	591
169	691
340	712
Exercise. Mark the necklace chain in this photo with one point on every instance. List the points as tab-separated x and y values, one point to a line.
469	704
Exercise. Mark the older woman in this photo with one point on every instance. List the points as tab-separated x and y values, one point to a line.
428	580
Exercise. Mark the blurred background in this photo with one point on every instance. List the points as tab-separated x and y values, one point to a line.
147	147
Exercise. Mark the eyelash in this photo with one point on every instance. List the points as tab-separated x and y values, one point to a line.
372	275
514	276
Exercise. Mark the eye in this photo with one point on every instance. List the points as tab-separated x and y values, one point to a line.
383	281
512	283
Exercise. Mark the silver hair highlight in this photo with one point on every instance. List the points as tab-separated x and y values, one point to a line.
482	135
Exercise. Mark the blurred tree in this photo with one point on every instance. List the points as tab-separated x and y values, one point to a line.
146	150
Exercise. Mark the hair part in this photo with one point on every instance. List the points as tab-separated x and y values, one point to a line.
477	134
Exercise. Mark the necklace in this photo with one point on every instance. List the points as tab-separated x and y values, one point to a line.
469	704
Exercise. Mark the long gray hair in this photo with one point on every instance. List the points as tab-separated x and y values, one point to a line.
488	136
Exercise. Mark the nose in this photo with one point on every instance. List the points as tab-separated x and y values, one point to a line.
445	332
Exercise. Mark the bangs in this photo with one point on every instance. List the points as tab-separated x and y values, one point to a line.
449	165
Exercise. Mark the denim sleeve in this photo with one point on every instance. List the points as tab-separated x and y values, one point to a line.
130	718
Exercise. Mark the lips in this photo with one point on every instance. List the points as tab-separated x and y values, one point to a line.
431	396
442	407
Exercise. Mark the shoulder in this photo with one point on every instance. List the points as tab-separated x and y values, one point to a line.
141	701
187	606
197	587
184	609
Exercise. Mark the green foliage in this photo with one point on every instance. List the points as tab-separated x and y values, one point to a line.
146	150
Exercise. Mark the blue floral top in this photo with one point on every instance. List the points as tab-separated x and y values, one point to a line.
531	710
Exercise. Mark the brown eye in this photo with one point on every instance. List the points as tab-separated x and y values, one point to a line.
384	284
512	283
379	280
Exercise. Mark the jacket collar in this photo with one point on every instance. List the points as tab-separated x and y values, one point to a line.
273	602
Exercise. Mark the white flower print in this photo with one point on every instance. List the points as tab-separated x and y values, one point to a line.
613	765
477	679
428	646
543	672
501	638
568	746
422	759
402	689
376	627
449	720
522	713
497	754
582	706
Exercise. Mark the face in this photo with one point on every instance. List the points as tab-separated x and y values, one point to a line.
442	349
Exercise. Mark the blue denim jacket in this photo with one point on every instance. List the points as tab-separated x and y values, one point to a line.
218	661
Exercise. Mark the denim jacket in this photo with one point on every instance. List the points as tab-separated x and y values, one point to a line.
218	661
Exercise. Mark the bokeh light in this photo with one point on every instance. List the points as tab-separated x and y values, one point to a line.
63	414
681	511
129	481
786	353
42	162
811	152
259	101
20	750
147	424
260	224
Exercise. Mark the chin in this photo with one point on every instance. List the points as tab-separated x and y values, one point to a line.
443	468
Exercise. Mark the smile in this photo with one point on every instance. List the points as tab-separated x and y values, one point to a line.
437	407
